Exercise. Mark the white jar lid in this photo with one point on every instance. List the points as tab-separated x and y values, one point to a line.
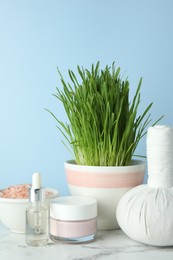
73	208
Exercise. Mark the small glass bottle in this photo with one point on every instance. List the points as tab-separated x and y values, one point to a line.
37	214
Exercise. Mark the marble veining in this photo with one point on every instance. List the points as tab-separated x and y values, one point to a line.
109	245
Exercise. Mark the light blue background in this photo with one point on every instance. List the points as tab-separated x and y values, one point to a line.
36	36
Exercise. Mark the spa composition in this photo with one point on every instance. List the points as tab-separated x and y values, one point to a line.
103	130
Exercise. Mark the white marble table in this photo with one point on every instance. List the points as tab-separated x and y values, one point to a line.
109	245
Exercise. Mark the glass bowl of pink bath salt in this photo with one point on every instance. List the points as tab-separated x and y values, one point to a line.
13	203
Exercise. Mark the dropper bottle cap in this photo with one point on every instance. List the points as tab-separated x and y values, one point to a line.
36	192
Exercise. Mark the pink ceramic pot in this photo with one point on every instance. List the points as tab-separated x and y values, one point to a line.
106	184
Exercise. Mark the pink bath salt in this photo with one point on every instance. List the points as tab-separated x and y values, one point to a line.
20	191
49	193
16	192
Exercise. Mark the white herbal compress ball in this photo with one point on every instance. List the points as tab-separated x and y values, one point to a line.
145	213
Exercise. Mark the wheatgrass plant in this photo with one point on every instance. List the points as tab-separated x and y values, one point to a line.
104	127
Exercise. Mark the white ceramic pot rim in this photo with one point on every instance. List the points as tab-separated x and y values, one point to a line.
135	166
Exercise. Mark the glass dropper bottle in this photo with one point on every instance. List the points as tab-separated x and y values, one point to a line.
36	214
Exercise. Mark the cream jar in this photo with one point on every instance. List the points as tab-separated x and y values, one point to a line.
73	219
